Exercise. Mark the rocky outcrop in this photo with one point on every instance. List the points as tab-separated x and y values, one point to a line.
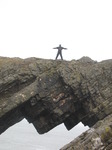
48	93
99	137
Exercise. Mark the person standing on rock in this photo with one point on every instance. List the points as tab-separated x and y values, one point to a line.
59	51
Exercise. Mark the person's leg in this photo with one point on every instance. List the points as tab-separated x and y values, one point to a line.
61	56
57	55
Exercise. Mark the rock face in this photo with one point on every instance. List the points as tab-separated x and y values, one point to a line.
48	93
99	137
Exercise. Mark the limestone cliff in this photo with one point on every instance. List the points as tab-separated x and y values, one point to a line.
49	92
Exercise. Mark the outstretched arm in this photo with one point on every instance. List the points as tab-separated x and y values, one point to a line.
64	48
55	48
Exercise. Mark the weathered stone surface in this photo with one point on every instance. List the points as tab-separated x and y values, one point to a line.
99	137
49	92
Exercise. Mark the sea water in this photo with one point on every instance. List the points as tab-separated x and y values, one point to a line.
23	136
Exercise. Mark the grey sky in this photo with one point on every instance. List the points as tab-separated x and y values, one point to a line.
31	28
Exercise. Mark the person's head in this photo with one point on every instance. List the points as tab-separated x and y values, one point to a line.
59	45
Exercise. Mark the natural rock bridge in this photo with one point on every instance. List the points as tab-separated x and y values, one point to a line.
48	93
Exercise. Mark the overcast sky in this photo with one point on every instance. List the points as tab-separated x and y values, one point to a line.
31	28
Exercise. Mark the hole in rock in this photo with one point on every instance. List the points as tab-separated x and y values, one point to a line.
24	136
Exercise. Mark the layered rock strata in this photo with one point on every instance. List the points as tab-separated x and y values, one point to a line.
98	137
48	92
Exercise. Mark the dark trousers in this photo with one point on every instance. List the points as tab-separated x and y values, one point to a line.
59	53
